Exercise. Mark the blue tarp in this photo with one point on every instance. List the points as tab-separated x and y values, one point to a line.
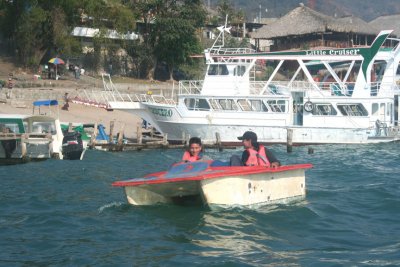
45	103
101	134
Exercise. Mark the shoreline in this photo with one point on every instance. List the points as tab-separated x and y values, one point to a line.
81	114
23	97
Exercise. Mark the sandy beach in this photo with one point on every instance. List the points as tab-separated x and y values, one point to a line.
84	114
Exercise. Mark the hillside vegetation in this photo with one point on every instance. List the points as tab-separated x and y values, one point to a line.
367	10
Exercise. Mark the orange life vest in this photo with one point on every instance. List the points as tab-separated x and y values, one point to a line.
257	158
188	157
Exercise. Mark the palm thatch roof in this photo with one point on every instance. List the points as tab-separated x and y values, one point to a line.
391	22
303	20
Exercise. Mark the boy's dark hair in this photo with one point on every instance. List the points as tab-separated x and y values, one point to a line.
195	140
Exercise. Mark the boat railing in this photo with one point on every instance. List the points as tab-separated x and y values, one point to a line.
385	89
25	136
322	88
118	97
90	98
231	51
265	88
192	87
286	87
149	98
337	89
157	99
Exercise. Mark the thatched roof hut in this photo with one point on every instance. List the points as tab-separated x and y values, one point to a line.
354	25
304	28
303	20
391	22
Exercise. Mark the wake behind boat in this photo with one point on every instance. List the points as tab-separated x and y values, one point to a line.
346	95
218	186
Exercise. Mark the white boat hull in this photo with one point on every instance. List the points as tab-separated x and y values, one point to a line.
255	189
162	193
35	149
274	135
229	126
260	187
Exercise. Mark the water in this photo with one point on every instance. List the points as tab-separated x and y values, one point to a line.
66	213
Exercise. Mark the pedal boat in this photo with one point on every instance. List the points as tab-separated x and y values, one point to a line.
218	186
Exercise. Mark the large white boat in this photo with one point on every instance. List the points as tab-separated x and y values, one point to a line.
346	95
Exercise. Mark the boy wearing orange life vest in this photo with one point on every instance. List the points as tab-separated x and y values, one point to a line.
255	154
194	152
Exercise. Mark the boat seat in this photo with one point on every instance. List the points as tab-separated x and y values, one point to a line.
335	89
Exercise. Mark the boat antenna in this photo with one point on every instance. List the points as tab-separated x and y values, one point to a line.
220	40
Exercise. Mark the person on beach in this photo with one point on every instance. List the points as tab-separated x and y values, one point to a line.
66	102
10	86
254	154
194	153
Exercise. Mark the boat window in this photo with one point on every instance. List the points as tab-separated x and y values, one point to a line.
44	127
190	103
258	105
382	109
323	109
202	104
375	109
197	104
215	105
9	128
228	104
218	69
239	70
389	109
352	109
277	105
244	104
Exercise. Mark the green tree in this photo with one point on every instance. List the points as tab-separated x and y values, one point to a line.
225	8
174	35
115	15
34	27
236	18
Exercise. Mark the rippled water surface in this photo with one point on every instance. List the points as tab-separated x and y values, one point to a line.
66	213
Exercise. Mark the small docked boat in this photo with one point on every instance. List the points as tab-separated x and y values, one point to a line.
36	137
91	135
72	146
218	186
29	137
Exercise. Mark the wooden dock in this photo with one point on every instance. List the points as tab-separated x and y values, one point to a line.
147	139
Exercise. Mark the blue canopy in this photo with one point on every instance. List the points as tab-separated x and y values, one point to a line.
45	103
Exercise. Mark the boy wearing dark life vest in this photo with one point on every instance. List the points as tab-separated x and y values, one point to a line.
194	153
256	154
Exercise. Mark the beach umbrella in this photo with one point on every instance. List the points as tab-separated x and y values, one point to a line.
56	61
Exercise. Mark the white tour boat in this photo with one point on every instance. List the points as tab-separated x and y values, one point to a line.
347	95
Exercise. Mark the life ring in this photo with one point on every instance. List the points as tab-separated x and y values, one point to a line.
308	106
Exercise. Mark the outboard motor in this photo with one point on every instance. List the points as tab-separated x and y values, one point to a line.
9	147
72	146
